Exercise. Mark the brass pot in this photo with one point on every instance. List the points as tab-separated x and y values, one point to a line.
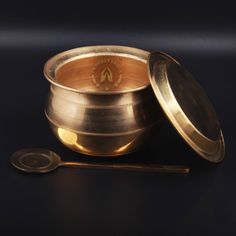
100	102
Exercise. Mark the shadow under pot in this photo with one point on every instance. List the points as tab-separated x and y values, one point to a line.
100	101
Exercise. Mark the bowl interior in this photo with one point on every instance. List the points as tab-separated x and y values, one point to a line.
103	73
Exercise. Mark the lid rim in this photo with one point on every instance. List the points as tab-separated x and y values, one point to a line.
210	149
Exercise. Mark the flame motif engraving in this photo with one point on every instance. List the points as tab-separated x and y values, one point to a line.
106	75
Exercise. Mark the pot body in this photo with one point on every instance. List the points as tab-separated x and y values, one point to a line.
102	125
101	120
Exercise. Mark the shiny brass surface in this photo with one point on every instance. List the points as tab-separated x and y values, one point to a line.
37	160
100	102
186	106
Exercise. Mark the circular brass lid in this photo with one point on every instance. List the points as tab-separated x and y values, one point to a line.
187	106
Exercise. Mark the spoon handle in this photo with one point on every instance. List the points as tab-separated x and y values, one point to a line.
132	167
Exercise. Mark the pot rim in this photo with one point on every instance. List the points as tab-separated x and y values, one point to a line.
57	61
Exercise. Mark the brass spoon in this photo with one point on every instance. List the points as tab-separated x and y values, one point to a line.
43	161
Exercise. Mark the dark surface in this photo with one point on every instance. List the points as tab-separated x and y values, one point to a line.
96	202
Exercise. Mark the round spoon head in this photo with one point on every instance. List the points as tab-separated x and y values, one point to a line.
35	160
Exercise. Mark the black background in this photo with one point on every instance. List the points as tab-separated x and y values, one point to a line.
201	35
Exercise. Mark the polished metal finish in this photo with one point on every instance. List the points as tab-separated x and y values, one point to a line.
186	106
100	102
36	160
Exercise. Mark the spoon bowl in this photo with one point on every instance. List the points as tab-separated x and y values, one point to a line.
35	160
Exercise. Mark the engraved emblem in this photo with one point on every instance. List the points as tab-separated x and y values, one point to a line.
106	75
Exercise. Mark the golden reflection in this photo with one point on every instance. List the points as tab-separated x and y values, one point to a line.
67	136
70	138
123	148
